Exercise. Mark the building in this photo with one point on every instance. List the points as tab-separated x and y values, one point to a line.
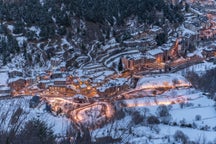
29	80
113	87
173	52
209	52
56	74
60	82
43	84
44	76
17	83
158	54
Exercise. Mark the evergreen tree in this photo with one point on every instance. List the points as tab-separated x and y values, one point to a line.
120	65
36	132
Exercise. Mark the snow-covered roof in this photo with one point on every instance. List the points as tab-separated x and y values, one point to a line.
4	78
83	86
45	81
59	79
79	96
155	51
55	59
162	80
4	88
14	69
155	28
112	83
15	79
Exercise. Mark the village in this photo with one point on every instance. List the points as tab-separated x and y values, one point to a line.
113	73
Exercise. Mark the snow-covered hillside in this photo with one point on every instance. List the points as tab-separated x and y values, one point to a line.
15	111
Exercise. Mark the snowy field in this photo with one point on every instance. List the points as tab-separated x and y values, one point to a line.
8	107
182	115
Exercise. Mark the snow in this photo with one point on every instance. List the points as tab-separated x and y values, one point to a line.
187	31
200	69
155	52
196	11
112	83
139	133
3	78
9	106
15	79
162	80
35	29
79	96
4	88
21	40
10	27
193	134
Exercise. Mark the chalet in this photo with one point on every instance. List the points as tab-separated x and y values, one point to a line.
206	34
5	91
209	52
44	76
113	87
158	54
15	73
43	84
61	89
60	82
17	83
57	88
62	67
56	74
131	63
78	98
29	81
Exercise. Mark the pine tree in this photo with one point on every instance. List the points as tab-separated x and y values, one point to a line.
120	65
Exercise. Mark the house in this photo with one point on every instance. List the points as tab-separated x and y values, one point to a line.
54	88
60	82
78	98
43	84
139	63
206	34
44	76
113	87
17	83
158	54
60	90
62	67
56	74
209	52
59	87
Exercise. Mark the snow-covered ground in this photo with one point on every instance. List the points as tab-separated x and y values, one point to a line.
200	69
191	112
201	129
3	76
8	107
162	80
